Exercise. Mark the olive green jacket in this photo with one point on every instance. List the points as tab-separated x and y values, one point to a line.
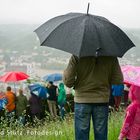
92	78
21	104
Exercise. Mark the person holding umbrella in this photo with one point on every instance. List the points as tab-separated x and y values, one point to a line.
92	78
35	107
95	43
41	92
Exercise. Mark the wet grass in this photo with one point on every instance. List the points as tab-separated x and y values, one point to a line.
55	129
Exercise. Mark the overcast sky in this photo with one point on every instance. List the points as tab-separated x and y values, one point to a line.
125	13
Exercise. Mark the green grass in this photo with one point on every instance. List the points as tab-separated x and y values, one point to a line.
56	130
115	124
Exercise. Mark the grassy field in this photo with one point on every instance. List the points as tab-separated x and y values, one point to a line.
56	130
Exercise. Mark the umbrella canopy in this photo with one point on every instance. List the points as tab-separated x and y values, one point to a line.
53	77
3	102
84	35
131	74
13	76
38	90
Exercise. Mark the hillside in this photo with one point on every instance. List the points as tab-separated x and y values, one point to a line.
22	38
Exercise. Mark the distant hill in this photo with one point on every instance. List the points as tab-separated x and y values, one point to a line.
22	38
17	37
134	35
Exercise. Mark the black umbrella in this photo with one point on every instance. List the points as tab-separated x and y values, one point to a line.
84	35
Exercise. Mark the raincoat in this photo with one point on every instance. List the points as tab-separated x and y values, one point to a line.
21	104
62	94
131	125
10	106
35	104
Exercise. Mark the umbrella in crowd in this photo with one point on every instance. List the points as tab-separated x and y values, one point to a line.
38	90
53	77
131	74
3	100
13	76
84	35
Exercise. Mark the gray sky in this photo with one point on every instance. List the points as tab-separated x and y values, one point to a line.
125	13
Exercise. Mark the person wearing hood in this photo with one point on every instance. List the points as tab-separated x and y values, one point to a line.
131	125
61	99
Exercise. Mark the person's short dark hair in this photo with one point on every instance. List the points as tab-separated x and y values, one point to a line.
51	82
8	88
20	91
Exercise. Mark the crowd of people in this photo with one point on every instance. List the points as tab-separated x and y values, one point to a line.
18	106
28	109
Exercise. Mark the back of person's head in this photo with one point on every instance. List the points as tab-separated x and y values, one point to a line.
61	85
20	91
51	82
8	88
134	93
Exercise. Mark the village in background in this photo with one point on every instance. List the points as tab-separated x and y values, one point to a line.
20	50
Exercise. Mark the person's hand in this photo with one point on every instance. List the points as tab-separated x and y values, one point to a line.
76	59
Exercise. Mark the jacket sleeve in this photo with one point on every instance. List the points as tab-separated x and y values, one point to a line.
116	74
69	75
